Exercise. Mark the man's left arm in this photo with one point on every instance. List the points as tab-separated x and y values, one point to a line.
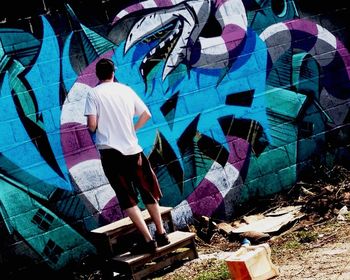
91	112
92	123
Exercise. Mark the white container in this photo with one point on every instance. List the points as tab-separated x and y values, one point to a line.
252	263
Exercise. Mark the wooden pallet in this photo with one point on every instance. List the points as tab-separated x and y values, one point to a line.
107	237
115	258
182	247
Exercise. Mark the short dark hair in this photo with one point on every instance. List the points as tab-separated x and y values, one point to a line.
104	69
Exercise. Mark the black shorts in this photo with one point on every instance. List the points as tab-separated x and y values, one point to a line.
128	179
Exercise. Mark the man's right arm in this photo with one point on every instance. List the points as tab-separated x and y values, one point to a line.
144	117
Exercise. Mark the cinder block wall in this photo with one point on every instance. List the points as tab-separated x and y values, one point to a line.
245	97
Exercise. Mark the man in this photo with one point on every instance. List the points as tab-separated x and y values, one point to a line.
110	109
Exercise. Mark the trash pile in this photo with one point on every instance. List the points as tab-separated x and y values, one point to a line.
311	200
324	198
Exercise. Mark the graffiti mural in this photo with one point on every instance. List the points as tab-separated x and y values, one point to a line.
244	95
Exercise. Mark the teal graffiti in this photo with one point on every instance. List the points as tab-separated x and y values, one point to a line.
261	13
45	233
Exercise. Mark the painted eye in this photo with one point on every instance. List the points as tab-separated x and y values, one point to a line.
279	7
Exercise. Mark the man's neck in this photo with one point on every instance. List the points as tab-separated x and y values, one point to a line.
107	80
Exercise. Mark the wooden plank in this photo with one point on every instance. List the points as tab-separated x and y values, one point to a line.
181	256
177	239
125	223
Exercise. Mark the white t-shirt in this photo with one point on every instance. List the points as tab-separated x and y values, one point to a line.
115	106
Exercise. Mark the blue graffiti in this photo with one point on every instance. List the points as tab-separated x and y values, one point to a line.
23	157
201	94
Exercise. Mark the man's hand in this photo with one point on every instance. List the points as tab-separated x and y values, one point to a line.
139	161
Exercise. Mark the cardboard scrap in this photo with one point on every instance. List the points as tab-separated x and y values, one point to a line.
270	222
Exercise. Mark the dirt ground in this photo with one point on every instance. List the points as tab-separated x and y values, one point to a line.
325	257
315	247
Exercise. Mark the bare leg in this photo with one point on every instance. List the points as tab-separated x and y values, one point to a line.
135	215
154	211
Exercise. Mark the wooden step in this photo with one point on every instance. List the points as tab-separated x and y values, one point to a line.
106	237
123	225
181	247
177	239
